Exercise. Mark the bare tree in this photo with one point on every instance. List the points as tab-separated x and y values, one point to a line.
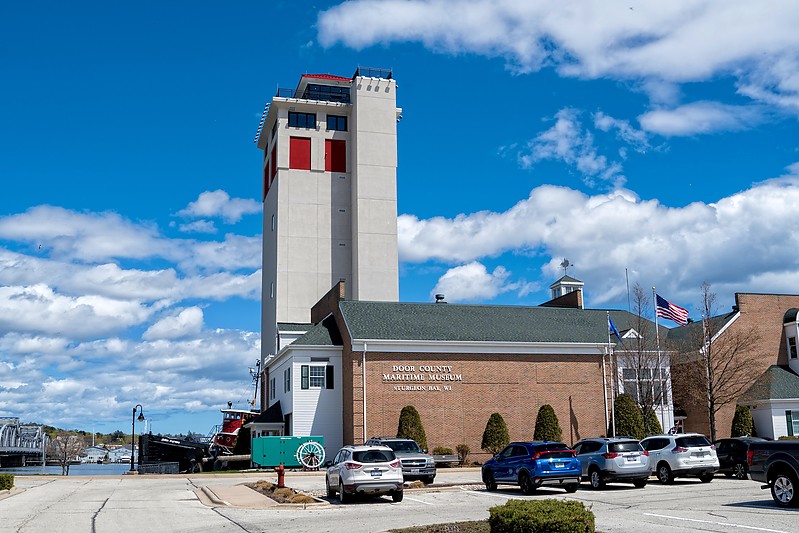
642	365
64	448
715	364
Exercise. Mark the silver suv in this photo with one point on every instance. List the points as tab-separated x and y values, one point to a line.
613	459
364	470
416	463
682	454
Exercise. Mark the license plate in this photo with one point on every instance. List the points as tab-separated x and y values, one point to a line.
632	459
414	470
560	465
377	473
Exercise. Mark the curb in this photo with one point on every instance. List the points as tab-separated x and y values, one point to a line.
213	497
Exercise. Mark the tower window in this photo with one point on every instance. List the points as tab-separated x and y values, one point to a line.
336	123
302	120
792	347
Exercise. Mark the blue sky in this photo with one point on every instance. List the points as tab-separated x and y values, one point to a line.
657	139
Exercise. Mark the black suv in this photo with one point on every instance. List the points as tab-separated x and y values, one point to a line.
416	463
732	455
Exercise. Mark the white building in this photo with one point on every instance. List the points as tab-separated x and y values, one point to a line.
330	195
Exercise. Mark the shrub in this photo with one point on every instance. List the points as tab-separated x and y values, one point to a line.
6	481
651	423
463	452
410	426
546	424
495	436
629	421
440	450
742	423
542	516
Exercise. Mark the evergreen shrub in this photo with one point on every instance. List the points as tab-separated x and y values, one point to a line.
541	516
651	423
629	421
6	481
440	450
742	422
547	426
495	436
410	426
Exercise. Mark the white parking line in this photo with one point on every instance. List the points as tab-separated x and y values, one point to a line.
418	501
489	494
725	524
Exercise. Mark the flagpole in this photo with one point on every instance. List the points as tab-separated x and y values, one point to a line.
660	370
605	380
613	380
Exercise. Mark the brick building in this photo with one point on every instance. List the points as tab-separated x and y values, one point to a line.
772	387
456	364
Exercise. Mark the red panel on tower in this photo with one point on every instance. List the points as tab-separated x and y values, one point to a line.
335	155
300	153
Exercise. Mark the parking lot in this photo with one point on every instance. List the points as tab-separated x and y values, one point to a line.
168	503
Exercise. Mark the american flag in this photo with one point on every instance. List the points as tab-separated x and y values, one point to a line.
668	310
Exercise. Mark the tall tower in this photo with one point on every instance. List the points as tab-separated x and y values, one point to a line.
330	195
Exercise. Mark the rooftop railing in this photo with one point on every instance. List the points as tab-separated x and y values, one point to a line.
343	98
369	72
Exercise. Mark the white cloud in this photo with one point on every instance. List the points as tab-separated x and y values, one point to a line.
624	131
198	226
473	282
569	142
657	42
187	323
730	241
699	117
219	204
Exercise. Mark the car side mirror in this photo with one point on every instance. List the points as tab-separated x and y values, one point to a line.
327	464
424	450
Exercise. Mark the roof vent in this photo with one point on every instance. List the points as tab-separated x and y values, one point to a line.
440	299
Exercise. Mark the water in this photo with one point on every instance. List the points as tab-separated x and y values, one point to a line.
85	469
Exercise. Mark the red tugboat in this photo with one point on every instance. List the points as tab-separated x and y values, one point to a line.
232	421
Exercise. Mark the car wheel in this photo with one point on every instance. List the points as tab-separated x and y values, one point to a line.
526	483
706	478
739	470
571	488
428	480
664	474
330	492
640	483
396	496
488	479
783	490
595	478
343	497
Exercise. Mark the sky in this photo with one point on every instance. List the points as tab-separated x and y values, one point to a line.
646	142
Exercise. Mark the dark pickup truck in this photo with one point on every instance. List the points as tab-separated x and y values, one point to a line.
776	463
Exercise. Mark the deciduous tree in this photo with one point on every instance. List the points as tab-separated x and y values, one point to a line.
64	448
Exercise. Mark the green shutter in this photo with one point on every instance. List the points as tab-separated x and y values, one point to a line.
329	377
304	376
789	420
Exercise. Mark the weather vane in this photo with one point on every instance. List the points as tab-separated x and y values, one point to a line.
565	265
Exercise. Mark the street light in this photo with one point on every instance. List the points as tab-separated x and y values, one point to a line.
133	431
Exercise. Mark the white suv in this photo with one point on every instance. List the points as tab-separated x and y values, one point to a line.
681	454
364	470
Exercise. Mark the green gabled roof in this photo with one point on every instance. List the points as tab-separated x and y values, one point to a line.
776	383
478	323
689	337
294	326
323	334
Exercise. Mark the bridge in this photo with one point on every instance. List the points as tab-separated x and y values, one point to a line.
20	441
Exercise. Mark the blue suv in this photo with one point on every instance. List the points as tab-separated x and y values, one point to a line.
533	464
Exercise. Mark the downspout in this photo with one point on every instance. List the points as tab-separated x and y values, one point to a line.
363	378
605	390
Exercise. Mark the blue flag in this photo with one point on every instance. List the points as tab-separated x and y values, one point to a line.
612	329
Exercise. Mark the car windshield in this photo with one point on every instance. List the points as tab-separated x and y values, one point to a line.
551	446
630	446
692	442
556	454
373	456
403	446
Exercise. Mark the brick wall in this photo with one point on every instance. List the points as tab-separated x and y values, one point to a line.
515	386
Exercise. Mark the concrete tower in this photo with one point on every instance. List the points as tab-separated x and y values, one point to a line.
330	195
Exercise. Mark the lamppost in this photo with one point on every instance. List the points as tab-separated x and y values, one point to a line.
133	431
